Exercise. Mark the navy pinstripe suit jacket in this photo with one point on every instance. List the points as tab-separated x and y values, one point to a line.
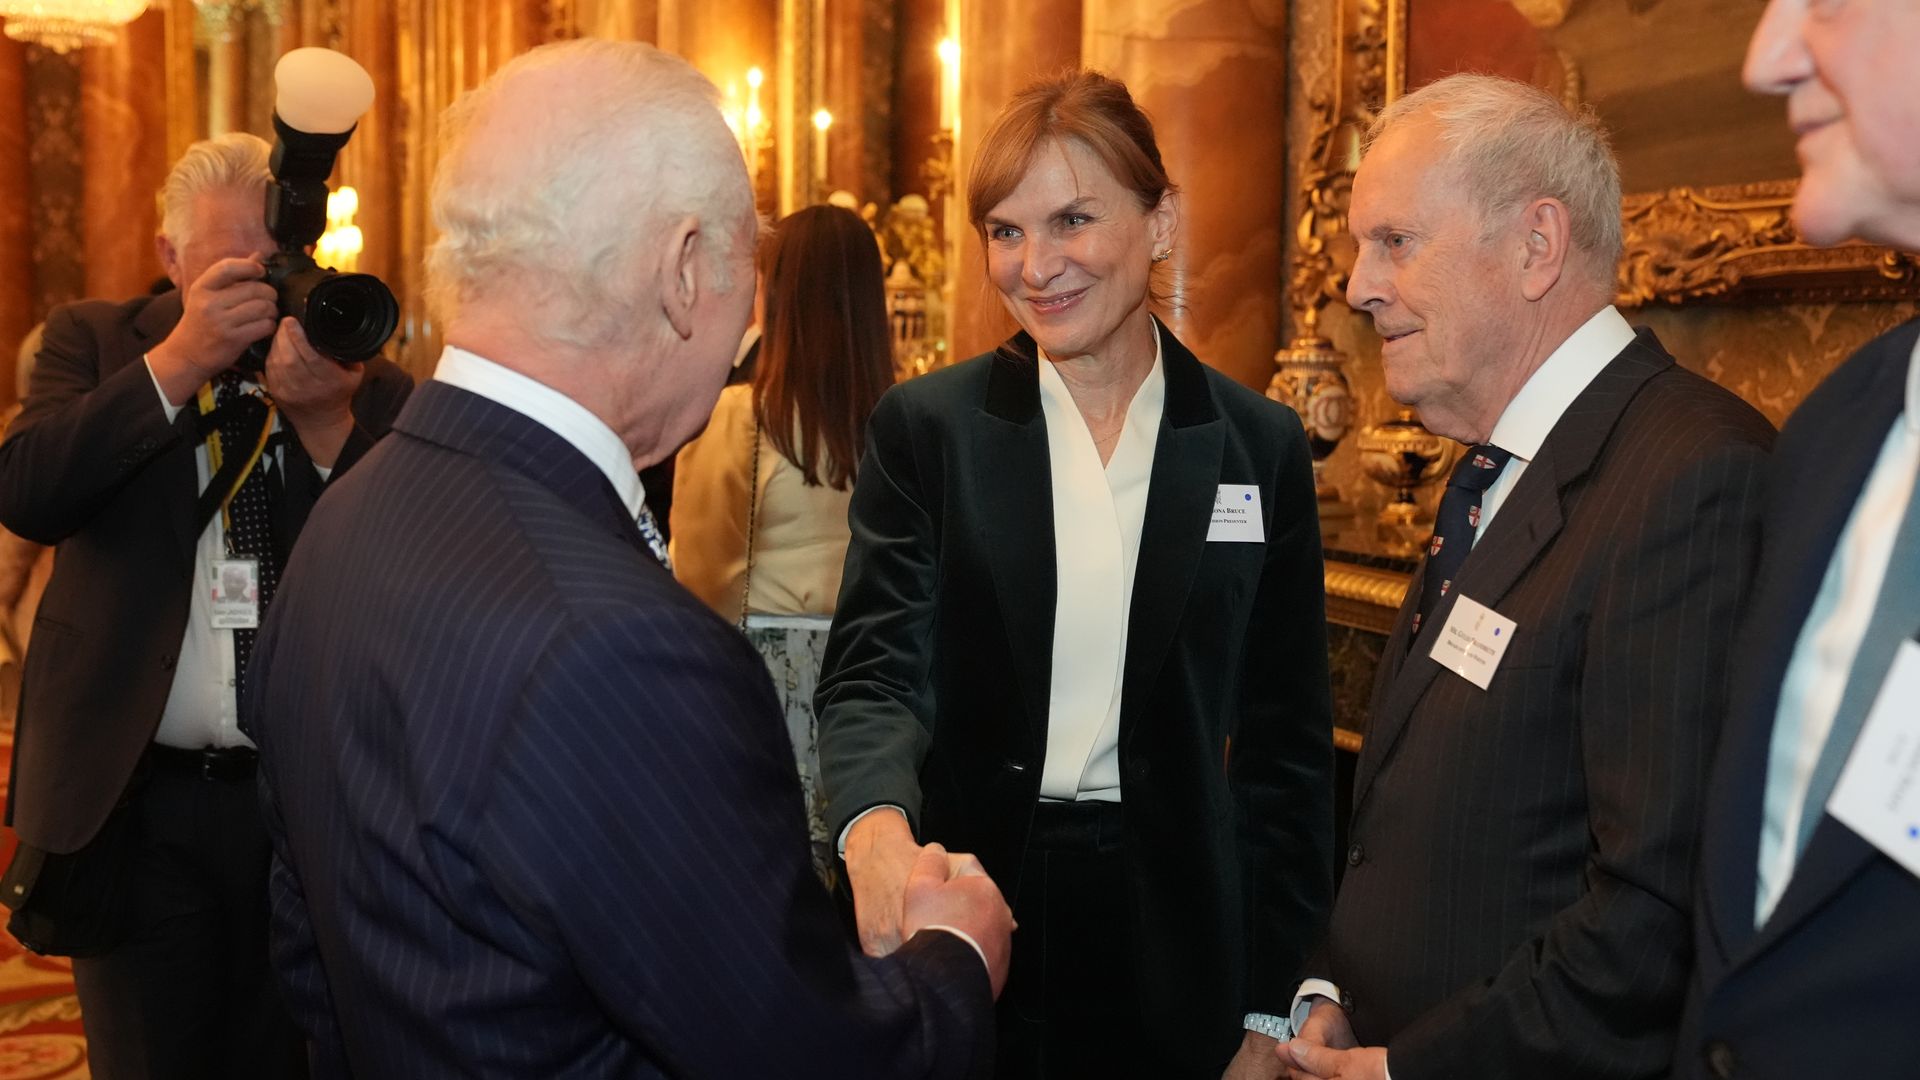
533	807
1830	985
1521	870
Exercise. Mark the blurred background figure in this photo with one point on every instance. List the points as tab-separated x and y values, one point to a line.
760	498
24	565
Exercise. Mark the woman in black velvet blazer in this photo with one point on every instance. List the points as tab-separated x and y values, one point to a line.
1152	924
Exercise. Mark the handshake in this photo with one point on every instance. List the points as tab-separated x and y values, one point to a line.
901	888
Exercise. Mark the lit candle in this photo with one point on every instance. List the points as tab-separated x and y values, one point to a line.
949	51
822	120
750	121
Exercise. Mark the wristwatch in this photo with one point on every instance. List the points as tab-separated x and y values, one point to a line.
1274	1027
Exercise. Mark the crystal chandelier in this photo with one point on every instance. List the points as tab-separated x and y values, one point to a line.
64	25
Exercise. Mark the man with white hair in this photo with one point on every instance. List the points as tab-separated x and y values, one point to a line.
142	852
1516	893
533	806
1808	945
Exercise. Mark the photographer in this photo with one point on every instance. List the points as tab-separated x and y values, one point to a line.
142	851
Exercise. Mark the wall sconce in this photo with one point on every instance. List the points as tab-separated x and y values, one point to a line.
822	122
750	125
339	247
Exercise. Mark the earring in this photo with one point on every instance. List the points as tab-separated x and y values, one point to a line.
1164	256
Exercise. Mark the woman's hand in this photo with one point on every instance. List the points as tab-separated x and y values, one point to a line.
880	856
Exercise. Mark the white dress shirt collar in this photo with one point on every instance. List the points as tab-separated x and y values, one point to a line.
1533	412
550	409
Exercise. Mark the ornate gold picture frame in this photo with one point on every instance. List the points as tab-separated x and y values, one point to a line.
1721	243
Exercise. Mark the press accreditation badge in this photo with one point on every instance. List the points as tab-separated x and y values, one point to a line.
1878	793
234	593
1473	641
1236	515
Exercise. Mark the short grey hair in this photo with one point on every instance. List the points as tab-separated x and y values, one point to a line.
639	143
1511	143
233	160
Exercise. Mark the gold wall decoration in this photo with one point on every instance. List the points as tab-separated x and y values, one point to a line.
1715	269
1690	243
1738	242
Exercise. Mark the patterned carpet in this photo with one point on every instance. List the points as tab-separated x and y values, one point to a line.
40	1035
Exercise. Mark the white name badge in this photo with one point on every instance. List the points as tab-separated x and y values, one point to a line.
1473	641
233	593
1236	516
1878	793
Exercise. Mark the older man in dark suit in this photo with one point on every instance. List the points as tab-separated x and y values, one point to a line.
1809	951
1516	897
532	802
142	853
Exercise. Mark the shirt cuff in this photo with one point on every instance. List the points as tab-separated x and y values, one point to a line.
1303	999
172	409
840	845
968	938
1303	1005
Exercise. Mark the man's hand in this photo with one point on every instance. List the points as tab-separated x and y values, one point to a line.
880	856
315	394
1326	1063
1257	1059
227	309
1327	1025
955	891
1327	1028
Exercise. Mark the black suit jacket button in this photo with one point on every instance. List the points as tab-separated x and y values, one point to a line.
1720	1060
168	662
1356	855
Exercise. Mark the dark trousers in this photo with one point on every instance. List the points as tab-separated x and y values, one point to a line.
189	993
1071	1007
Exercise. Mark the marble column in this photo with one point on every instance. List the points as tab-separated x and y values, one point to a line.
858	80
123	121
620	20
1004	45
372	161
915	116
55	176
1212	75
16	222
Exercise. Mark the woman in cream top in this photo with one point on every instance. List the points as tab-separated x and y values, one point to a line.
800	539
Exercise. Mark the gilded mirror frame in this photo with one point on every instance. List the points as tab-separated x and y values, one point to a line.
1730	243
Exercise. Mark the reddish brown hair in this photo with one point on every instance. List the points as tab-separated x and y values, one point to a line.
1090	108
825	356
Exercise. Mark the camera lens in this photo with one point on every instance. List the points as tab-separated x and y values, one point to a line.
347	316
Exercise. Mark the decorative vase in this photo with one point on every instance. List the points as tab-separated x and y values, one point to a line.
1308	379
1403	456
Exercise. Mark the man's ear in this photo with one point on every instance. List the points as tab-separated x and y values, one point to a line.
1548	245
169	259
681	276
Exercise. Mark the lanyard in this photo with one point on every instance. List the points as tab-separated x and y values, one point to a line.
214	457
